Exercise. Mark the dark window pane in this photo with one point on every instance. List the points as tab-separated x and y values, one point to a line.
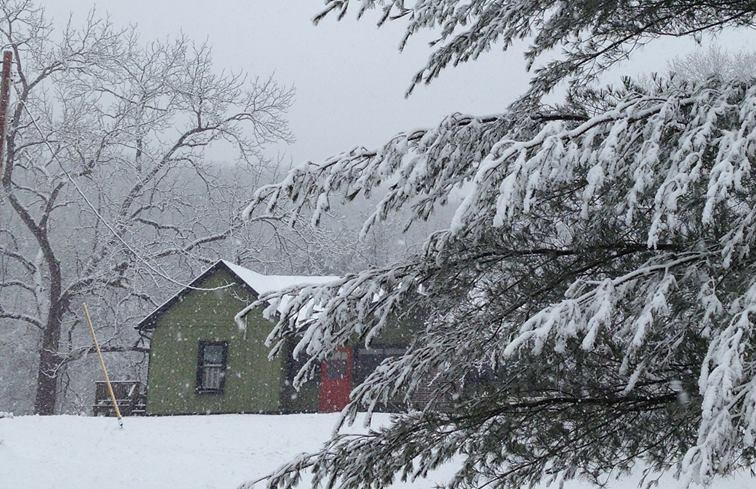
212	355
369	359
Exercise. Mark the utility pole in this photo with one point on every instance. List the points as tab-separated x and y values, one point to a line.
4	96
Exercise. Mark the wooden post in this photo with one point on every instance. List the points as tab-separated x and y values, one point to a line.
102	364
4	97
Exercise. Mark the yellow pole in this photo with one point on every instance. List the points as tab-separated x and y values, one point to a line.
102	364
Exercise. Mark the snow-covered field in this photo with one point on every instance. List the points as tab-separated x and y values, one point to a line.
186	452
181	452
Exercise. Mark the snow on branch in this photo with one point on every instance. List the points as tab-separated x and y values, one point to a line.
590	36
429	162
619	152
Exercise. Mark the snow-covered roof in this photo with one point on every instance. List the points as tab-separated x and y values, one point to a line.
259	283
262	284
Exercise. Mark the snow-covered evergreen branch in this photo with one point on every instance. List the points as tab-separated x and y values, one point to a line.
597	274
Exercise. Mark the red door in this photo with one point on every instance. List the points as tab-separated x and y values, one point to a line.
335	381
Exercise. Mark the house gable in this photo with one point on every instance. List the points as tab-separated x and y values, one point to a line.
150	320
196	316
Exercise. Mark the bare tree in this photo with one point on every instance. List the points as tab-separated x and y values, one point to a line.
715	62
106	141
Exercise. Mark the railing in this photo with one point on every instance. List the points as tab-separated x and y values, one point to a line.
130	397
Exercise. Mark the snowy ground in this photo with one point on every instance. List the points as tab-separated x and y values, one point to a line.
186	452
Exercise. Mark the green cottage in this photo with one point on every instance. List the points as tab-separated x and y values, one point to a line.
200	362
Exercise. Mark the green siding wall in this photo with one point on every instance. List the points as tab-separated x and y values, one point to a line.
252	384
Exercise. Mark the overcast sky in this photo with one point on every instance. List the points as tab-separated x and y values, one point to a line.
349	76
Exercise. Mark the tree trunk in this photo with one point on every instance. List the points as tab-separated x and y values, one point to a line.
48	371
